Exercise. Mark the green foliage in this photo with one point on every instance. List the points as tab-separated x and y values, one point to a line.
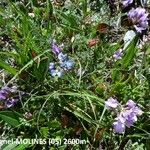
15	147
9	117
73	106
8	68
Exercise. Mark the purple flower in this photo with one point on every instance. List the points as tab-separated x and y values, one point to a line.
7	95
111	103
53	71
6	91
130	117
62	57
118	54
125	118
56	72
127	2
55	49
60	73
67	65
130	104
10	102
126	114
51	66
119	125
13	89
137	111
2	95
139	18
64	63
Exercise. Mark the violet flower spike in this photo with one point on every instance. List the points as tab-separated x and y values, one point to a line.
4	92
64	63
139	18
7	96
126	3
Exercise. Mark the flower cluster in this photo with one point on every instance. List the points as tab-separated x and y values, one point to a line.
7	96
126	114
139	18
126	3
64	63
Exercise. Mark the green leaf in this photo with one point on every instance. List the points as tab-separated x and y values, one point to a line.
8	68
54	124
125	61
10	146
10	117
22	147
131	51
11	54
68	20
49	7
116	75
40	70
84	6
44	131
14	146
81	114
